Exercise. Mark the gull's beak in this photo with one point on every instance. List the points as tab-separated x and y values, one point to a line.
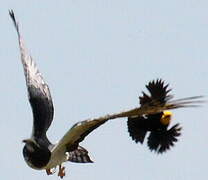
26	140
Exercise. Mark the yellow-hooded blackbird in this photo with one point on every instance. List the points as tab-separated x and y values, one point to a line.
160	138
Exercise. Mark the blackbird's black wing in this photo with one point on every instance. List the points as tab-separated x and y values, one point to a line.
158	93
38	91
161	141
137	128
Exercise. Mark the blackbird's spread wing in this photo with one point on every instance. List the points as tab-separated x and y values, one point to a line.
158	93
137	128
161	141
159	96
38	91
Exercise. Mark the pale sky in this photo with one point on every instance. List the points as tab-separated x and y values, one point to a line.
97	56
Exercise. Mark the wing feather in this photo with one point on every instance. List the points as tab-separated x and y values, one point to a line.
79	155
158	92
137	128
161	141
38	91
80	130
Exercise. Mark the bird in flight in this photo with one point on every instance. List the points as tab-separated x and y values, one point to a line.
39	153
160	138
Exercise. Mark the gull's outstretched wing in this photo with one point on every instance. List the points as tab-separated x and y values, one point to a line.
38	91
80	130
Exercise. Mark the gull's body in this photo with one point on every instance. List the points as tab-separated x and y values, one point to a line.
39	152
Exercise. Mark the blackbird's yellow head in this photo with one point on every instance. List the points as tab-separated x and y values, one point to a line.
166	118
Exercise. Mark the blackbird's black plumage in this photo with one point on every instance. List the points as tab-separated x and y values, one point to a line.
160	138
138	127
158	93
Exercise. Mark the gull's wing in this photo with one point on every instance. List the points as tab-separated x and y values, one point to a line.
38	91
80	130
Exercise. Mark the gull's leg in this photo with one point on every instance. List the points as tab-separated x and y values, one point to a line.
50	171
61	172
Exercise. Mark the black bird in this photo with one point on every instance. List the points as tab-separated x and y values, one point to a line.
39	153
160	138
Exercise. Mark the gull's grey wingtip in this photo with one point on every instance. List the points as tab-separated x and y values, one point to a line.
11	13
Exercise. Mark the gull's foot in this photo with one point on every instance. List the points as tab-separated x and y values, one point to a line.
61	172
50	171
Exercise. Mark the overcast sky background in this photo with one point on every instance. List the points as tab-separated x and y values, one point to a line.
97	56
